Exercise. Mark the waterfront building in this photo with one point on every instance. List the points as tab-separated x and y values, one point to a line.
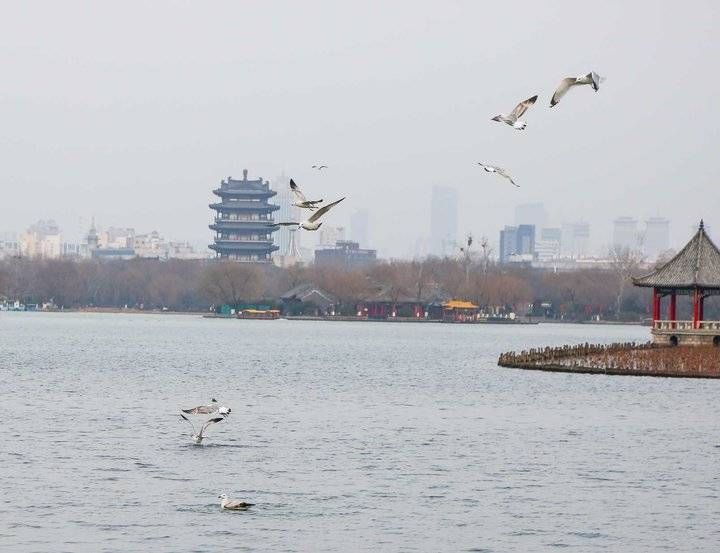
328	236
443	220
243	222
308	299
345	254
693	272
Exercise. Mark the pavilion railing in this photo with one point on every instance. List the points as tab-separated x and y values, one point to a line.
686	325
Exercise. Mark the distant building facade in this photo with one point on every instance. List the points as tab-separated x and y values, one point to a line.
345	254
657	236
243	221
575	241
625	233
42	239
443	220
517	243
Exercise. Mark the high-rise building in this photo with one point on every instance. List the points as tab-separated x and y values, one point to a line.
287	238
42	239
243	221
547	247
575	240
359	226
625	233
526	240
508	243
329	236
530	214
657	236
443	220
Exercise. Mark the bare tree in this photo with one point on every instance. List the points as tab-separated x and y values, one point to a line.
231	283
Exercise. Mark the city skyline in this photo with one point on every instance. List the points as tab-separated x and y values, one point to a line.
144	153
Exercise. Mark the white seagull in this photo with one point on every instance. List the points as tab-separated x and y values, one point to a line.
591	78
198	437
232	504
498	171
312	223
319	167
513	118
208	409
302	201
224	411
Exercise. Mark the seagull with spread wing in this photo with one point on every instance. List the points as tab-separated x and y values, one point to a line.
302	201
591	78
198	437
312	223
319	167
498	171
514	118
208	409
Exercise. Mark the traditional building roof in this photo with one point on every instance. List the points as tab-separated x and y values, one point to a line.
697	265
459	304
309	293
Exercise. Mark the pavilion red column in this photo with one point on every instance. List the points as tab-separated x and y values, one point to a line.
701	309
696	308
656	305
672	309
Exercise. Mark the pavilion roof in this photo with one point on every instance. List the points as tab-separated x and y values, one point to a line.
697	265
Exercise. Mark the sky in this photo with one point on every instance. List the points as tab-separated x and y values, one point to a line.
132	112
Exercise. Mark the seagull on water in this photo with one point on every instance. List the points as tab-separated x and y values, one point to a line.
591	78
498	171
513	118
198	437
302	201
319	167
233	505
312	223
208	409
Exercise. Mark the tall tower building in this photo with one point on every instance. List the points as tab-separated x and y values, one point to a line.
625	233
443	220
243	221
657	236
288	239
359	227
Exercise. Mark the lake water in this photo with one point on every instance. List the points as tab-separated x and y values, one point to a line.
347	436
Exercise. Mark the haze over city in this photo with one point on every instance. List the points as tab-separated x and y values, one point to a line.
133	113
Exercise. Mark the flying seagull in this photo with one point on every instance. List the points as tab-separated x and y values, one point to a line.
512	119
198	437
591	78
302	201
211	407
232	504
319	167
312	223
499	171
224	411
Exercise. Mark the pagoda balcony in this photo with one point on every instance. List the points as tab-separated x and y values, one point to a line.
246	246
244	206
242	226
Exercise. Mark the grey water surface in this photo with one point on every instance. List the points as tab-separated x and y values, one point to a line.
347	436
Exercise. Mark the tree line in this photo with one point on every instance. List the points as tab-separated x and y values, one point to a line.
196	285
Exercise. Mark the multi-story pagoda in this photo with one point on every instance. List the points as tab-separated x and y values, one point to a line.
694	272
243	220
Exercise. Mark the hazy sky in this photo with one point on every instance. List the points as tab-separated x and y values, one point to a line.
133	111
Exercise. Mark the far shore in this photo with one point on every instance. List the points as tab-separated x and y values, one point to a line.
212	315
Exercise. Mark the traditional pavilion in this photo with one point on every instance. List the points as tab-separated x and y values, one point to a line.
243	222
693	272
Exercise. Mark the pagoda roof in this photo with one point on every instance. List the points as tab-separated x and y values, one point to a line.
697	265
